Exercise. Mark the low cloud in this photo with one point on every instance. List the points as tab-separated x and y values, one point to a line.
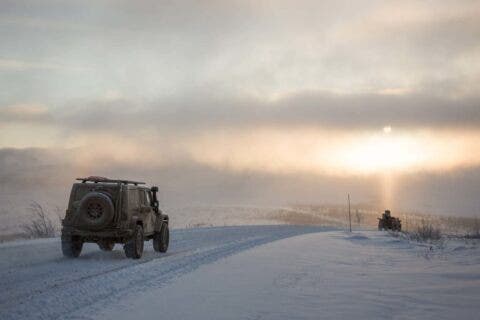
36	174
201	111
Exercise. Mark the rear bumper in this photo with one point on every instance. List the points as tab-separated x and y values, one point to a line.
90	235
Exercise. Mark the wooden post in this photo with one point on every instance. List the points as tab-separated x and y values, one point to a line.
349	215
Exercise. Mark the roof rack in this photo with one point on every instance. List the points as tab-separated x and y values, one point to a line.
96	179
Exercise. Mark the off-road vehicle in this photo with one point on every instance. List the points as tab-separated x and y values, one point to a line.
106	212
387	222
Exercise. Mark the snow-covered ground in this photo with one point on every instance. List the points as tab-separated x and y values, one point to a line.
248	272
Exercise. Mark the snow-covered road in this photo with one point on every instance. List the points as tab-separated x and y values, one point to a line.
309	273
36	282
326	275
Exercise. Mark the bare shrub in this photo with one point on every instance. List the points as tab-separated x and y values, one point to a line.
40	225
198	225
425	232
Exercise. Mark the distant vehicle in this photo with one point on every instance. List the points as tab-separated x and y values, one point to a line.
387	222
106	212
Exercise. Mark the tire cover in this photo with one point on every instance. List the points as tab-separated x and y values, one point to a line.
95	211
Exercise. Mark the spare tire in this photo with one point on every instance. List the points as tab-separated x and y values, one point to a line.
95	211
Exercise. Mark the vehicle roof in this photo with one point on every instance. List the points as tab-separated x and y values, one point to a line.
110	185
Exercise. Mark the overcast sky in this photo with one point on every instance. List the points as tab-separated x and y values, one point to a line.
328	88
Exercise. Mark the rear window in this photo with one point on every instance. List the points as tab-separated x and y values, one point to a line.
133	199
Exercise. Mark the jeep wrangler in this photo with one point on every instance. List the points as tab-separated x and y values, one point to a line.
106	212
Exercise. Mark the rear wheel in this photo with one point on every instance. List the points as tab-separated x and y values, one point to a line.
161	239
71	246
380	225
134	247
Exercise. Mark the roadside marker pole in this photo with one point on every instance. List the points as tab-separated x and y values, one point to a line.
349	215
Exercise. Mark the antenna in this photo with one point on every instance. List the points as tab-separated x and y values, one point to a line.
349	215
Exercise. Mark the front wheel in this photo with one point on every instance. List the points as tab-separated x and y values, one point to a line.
71	246
134	247
161	239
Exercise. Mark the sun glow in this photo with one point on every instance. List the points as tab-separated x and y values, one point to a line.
336	152
281	150
383	153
